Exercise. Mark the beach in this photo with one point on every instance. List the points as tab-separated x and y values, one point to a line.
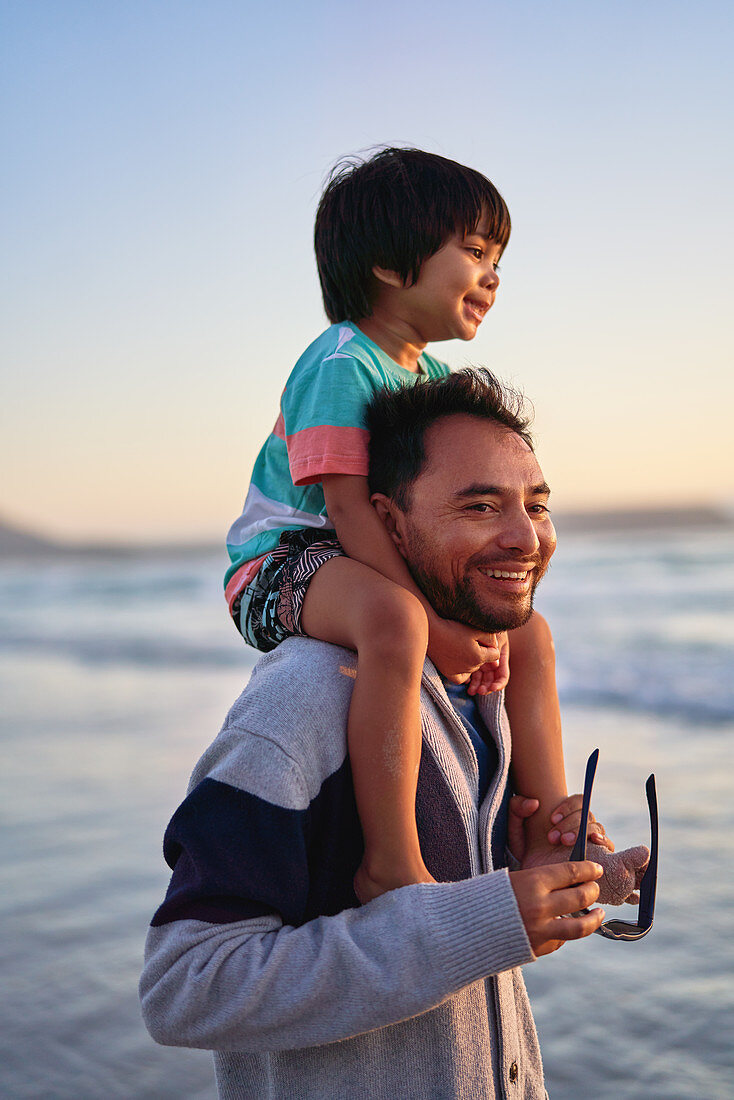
116	674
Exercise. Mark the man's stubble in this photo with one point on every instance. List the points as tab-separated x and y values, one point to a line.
459	601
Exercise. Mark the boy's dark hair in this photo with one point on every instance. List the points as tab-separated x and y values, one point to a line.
397	421
393	211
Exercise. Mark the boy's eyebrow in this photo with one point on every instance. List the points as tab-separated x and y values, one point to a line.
482	229
542	489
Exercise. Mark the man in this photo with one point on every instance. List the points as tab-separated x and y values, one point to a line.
259	951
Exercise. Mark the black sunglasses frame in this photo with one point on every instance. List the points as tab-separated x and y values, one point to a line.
622	929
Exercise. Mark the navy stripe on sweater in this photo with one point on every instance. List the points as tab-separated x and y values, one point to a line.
236	856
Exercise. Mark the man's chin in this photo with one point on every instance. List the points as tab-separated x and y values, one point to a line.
464	608
461	603
492	622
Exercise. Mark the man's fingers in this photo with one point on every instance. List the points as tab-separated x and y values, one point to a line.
570	805
546	895
520	809
574	898
523	807
575	928
565	830
559	876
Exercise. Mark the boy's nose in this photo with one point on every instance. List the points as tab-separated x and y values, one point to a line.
491	279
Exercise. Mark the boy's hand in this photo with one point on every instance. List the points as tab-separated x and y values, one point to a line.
457	650
492	677
545	895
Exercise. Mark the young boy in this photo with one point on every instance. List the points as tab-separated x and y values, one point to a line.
407	246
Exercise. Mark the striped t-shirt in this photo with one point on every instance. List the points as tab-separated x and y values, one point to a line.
320	430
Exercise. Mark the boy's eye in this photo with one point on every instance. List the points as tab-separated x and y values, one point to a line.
477	253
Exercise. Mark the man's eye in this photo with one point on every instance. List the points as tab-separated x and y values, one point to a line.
539	509
481	507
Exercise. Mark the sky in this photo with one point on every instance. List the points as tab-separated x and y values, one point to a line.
162	165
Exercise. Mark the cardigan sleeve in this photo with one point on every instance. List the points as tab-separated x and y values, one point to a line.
260	985
237	956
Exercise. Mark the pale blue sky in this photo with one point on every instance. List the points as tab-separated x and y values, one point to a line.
163	161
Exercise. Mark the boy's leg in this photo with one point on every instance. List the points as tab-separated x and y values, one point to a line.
537	765
532	706
349	604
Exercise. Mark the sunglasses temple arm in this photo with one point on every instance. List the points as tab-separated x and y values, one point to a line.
649	881
579	848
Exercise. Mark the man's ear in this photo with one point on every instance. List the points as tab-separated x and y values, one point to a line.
389	278
390	515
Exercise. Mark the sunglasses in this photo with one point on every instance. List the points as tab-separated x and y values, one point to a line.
622	929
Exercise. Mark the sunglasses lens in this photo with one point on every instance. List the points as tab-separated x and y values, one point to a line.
623	930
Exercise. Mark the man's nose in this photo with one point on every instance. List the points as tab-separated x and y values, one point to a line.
518	533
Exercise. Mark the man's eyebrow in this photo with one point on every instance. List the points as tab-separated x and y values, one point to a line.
542	489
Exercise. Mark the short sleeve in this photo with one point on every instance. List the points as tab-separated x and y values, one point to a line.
323	419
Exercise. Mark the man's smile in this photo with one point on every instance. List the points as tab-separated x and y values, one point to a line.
503	574
515	581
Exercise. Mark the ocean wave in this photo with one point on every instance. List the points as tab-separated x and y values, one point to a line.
638	624
140	652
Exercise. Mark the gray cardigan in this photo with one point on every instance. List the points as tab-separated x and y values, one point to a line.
260	952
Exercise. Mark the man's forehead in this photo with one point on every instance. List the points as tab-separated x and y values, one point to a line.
475	450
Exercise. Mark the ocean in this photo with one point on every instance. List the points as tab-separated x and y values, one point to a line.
116	673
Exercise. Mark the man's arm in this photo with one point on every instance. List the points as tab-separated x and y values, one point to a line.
259	985
236	958
232	960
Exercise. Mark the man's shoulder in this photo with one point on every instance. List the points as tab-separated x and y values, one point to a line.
303	677
286	733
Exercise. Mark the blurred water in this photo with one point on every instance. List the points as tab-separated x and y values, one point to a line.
114	677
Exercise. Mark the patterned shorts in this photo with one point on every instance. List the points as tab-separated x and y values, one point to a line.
271	604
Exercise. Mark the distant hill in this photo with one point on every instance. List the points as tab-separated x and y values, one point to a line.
16	543
643	519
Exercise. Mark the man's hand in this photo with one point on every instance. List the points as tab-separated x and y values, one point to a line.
520	809
566	819
457	650
545	895
495	676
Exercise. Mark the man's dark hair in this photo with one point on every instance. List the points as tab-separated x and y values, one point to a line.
398	420
393	211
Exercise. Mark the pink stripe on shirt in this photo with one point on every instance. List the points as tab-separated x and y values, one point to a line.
327	449
279	429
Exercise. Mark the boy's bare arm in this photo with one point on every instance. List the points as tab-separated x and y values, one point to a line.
456	650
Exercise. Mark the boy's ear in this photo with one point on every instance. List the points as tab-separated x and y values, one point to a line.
389	278
390	515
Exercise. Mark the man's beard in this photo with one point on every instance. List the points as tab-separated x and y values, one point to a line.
459	601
